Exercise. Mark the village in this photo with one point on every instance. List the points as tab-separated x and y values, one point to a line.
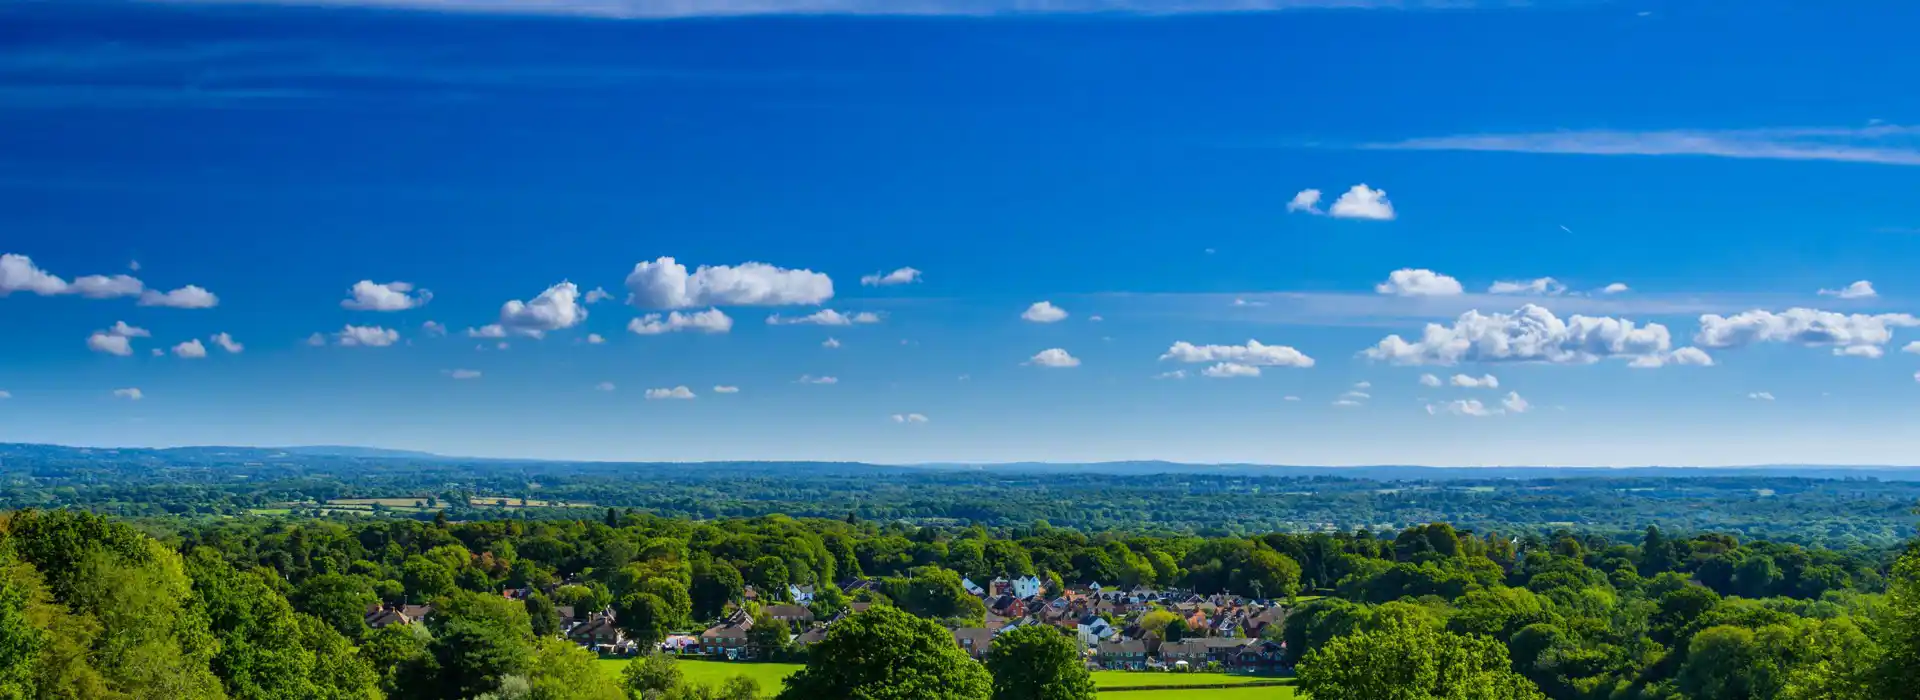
1200	633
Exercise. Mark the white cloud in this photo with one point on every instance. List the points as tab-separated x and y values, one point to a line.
1044	312
316	340
1858	335
19	274
1531	334
665	284
724	389
5	395
1095	318
1429	380
1463	407
810	379
433	329
909	418
1252	353
678	392
188	297
830	343
392	296
104	287
1514	404
130	394
1243	302
1229	370
1362	202
227	343
1615	288
597	295
1363	384
366	336
557	308
1687	356
709	321
1409	282
595	339
116	340
825	317
1176	374
491	330
1913	347
1357	395
905	275
1858	290
1761	396
1307	200
1469	382
1544	286
133	265
1881	143
1054	357
464	373
1289	398
1348	403
190	350
603	386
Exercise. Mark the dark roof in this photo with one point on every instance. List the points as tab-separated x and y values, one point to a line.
980	638
788	612
1132	646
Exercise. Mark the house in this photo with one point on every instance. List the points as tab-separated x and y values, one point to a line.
598	633
800	594
793	615
855	585
1274	615
812	636
1007	606
379	616
972	589
1026	587
1091	629
1192	651
1258	656
1128	654
973	640
727	639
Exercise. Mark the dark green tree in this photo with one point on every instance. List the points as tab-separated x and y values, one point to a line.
888	654
1037	662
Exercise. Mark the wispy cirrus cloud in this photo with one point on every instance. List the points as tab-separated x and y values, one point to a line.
1886	144
682	9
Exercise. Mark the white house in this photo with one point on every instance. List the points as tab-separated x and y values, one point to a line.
800	594
1093	629
1026	587
973	589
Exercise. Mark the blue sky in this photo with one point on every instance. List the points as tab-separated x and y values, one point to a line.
1142	166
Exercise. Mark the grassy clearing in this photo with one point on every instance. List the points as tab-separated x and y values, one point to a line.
514	502
713	672
769	676
1285	692
1108	680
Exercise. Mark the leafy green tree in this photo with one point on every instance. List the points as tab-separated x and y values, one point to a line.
265	651
542	617
715	585
768	636
737	688
1899	630
478	639
561	670
645	618
1410	661
401	659
340	600
1037	662
888	654
1735	663
426	579
652	675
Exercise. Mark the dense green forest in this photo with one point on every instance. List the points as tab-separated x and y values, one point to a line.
1831	507
260	607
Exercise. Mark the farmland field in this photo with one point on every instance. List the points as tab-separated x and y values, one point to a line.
1108	680
769	676
1285	692
713	672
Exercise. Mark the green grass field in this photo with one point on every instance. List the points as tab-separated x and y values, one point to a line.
769	675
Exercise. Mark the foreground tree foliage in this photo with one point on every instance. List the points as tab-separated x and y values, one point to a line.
1412	660
1037	662
888	654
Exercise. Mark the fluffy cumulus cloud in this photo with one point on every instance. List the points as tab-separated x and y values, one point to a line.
597	295
227	343
709	321
1913	347
1307	200
1054	357
106	287
1429	380
1854	335
1858	290
825	317
1253	353
666	284
1229	370
905	275
366	295
366	336
130	394
117	340
190	350
830	343
1512	403
810	379
1615	288
1482	382
557	308
595	339
603	386
724	389
1044	312
19	274
1362	202
1544	286
433	329
1531	334
678	392
188	297
464	373
1409	282
909	418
